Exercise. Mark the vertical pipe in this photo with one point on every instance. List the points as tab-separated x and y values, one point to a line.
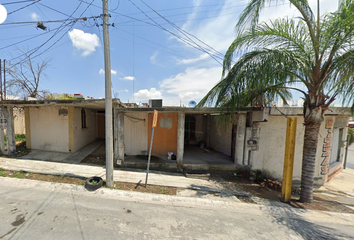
148	166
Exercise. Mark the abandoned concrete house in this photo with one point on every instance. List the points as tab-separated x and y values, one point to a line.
254	138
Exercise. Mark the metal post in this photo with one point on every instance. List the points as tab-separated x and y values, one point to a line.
4	93
108	98
346	151
289	159
1	81
148	166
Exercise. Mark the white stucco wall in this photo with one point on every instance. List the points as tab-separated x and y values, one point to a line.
49	130
270	156
82	137
19	121
136	133
220	137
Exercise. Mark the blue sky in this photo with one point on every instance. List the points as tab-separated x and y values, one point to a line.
159	49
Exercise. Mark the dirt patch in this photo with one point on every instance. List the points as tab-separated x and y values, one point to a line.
271	191
97	157
136	187
140	187
21	150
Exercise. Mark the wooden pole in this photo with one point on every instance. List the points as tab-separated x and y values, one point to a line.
289	159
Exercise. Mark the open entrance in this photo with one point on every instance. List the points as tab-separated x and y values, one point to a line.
205	142
101	124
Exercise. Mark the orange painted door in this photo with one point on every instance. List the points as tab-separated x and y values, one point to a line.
165	135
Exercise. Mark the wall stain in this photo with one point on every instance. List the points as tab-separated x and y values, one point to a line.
63	112
19	220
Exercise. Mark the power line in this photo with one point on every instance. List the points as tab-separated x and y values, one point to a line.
169	50
54	10
17	2
73	23
183	31
23	7
35	36
59	29
30	22
189	41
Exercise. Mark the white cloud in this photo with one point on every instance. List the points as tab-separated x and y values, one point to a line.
193	60
192	84
153	57
34	16
129	78
216	31
112	71
125	90
85	42
145	95
286	10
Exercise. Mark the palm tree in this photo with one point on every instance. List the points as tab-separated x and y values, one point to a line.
274	57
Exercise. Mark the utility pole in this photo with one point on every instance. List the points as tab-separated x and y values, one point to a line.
0	81
108	97
4	94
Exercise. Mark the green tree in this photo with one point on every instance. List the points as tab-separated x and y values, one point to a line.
273	57
60	96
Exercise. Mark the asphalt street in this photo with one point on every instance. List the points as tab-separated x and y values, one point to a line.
42	210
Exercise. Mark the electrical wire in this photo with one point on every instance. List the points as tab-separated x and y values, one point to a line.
17	2
177	53
135	118
55	10
59	29
41	11
23	7
31	22
189	41
220	57
30	38
73	23
183	31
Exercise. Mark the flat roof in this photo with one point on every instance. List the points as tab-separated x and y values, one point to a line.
98	104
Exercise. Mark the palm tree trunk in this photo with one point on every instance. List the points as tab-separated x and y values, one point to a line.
309	161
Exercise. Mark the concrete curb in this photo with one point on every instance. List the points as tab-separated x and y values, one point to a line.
79	170
77	190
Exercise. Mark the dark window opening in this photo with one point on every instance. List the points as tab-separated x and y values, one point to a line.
189	129
83	118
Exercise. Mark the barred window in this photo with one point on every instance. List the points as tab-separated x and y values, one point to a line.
83	118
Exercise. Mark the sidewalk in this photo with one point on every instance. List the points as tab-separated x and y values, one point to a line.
187	186
340	188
